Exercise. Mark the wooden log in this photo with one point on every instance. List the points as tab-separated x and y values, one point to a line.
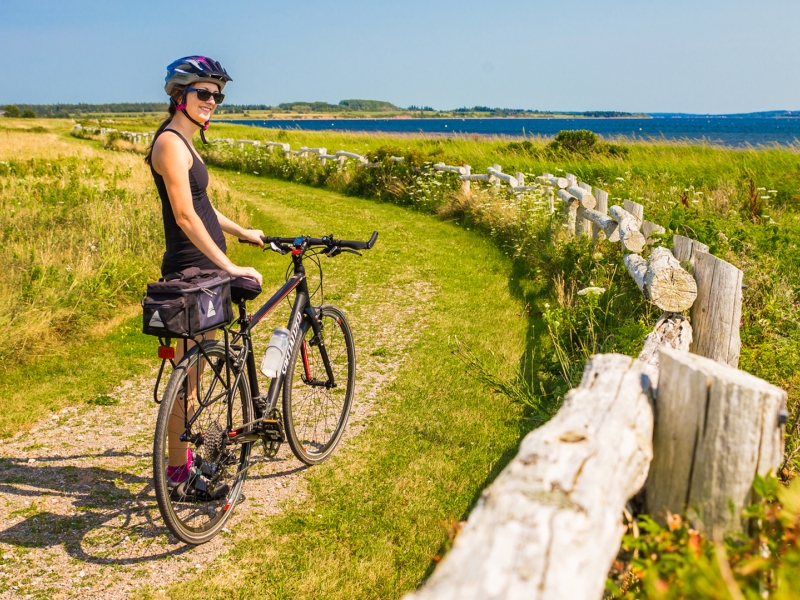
571	178
599	234
607	227
585	186
717	313
649	229
586	199
449	169
397	158
499	175
570	211
637	267
629	234
352	155
323	155
520	177
636	209
465	183
685	248
716	428
671	331
477	177
559	182
662	280
549	526
668	285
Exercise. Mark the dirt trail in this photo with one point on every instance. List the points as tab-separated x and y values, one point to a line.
78	516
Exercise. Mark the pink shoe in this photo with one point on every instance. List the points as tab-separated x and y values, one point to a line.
176	475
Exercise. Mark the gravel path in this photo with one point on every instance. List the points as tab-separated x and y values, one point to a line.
78	516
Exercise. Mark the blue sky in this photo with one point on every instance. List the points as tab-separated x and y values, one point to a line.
708	56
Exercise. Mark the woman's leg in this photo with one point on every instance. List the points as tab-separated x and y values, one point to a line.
177	448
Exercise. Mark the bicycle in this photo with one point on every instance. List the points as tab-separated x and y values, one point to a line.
227	414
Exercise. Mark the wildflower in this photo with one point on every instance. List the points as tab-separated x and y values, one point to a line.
546	305
772	191
766	197
591	291
620	179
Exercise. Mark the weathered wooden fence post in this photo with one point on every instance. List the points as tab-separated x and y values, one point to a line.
549	526
602	207
717	313
685	248
716	427
465	183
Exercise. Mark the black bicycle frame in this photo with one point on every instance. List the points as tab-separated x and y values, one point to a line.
302	316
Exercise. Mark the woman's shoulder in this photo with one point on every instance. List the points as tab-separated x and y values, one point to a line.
169	148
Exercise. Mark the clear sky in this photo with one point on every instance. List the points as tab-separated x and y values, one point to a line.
706	56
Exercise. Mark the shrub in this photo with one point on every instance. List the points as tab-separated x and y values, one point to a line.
28	114
12	111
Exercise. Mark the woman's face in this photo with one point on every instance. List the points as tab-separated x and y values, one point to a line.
201	110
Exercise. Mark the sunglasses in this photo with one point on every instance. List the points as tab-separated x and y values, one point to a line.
204	95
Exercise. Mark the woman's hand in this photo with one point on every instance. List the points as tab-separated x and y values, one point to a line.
253	237
250	272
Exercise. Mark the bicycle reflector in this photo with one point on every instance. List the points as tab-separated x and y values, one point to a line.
166	352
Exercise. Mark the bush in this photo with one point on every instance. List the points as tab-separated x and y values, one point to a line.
584	143
28	114
12	111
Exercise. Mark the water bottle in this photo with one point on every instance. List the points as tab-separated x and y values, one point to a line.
273	357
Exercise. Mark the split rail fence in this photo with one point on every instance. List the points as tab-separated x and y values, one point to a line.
680	427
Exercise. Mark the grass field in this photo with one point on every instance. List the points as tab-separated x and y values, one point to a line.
352	539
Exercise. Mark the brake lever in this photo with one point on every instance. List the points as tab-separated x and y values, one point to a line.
333	251
356	252
280	249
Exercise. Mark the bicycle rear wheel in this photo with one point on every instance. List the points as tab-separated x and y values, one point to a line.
197	509
315	411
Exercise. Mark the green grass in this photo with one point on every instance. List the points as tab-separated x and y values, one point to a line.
380	509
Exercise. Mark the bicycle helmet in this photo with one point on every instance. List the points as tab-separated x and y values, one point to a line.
192	69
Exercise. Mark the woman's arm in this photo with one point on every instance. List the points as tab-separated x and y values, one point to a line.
252	236
171	160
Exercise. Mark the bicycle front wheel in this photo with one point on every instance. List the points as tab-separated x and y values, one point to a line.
195	505
316	408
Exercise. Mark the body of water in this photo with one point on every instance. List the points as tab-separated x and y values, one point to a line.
736	132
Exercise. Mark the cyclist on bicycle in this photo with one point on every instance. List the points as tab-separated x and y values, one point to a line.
193	228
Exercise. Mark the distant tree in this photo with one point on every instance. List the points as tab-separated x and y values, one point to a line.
12	110
581	141
28	114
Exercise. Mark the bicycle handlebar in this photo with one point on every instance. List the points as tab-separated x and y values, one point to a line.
328	241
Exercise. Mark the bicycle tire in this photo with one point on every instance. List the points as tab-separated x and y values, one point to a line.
194	519
314	416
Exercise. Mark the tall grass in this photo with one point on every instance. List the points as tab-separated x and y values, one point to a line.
80	236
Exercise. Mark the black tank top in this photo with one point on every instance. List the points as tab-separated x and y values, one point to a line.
181	252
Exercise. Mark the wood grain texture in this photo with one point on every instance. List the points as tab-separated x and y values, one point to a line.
607	226
598	234
648	229
637	267
717	313
671	331
636	209
585	186
716	428
685	248
549	526
629	234
668	285
585	198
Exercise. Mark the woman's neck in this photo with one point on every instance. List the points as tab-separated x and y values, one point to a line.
183	125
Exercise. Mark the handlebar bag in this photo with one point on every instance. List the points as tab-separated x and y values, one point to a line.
186	304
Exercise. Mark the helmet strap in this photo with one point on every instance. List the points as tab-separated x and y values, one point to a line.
203	126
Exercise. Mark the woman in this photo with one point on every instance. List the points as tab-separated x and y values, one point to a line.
193	228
